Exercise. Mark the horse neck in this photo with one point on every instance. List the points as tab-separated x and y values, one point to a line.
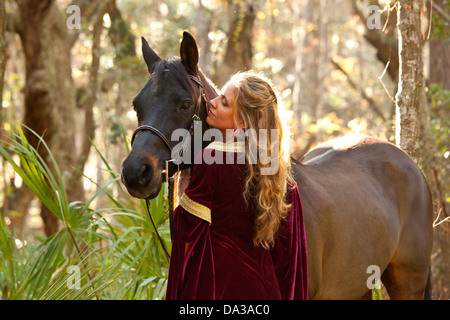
210	92
209	87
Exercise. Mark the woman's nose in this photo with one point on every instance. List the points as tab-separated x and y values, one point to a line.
212	103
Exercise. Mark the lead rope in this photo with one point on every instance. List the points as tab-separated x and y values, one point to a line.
147	202
171	183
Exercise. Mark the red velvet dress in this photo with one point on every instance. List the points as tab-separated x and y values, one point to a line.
213	255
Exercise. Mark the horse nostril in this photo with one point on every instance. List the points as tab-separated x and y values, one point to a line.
145	174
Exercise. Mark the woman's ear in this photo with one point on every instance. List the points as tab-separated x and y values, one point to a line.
241	123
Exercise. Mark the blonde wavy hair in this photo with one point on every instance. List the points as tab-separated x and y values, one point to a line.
259	107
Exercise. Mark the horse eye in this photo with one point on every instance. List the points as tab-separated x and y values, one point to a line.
186	105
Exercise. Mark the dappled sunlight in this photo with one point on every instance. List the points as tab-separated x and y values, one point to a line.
70	76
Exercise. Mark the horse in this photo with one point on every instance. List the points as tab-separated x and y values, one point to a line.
366	204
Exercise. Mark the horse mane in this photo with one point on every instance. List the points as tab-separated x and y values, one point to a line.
176	67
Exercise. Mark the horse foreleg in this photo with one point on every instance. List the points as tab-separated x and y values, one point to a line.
366	296
403	283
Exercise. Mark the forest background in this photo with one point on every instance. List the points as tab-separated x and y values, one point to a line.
70	69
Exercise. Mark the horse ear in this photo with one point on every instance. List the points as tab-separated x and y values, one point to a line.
189	52
150	56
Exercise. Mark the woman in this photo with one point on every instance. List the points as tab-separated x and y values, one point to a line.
238	232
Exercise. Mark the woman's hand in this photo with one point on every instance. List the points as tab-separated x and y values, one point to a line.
183	181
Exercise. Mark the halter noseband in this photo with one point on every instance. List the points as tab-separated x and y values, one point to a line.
195	117
155	131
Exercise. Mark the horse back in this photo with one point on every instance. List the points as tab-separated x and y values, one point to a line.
362	198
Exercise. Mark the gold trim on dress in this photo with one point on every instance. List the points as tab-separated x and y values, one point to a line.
195	208
175	193
238	146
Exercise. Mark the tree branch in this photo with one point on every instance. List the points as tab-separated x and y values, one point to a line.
88	104
387	48
352	84
441	11
88	9
120	34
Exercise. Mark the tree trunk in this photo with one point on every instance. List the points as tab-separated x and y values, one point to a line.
413	115
239	52
306	97
2	55
439	55
202	35
384	42
120	34
51	108
439	64
410	87
38	102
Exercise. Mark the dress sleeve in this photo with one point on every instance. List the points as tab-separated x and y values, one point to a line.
191	268
198	197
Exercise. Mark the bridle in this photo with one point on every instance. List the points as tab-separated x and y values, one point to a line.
196	117
170	180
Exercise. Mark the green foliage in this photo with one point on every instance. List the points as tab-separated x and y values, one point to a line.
376	292
440	122
115	249
440	24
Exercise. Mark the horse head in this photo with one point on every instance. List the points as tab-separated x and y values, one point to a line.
174	94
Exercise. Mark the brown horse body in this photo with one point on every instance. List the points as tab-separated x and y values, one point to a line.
366	204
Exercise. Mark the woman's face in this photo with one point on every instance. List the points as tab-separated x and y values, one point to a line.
223	108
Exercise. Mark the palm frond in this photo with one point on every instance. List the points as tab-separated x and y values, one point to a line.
115	248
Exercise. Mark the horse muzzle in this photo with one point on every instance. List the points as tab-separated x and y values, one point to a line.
141	179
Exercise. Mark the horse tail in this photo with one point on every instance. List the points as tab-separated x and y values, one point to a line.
427	295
